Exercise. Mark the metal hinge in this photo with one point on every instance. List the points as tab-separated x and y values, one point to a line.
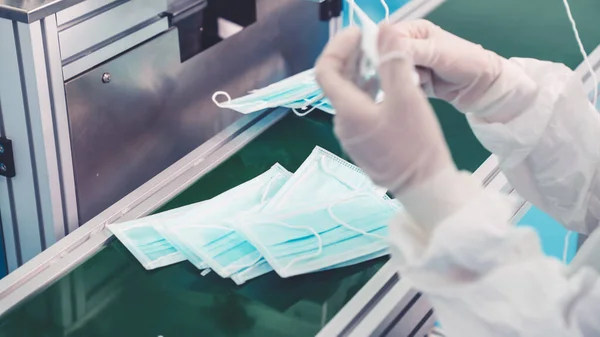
7	161
330	9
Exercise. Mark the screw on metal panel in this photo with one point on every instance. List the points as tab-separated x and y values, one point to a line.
3	167
106	78
1	149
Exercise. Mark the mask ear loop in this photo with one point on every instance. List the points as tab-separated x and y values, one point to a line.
345	224
318	236
242	266
310	256
387	10
582	51
304	113
227	104
300	258
250	268
308	103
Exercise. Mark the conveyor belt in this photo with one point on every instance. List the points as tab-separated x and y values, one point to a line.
112	295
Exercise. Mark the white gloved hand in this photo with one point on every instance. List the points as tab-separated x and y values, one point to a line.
465	74
399	142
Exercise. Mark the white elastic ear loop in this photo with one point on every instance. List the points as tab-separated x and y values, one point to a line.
358	230
304	113
221	93
582	50
299	258
566	246
244	265
387	10
245	271
227	104
308	103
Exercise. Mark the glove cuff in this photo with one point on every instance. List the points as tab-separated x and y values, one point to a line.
503	100
439	197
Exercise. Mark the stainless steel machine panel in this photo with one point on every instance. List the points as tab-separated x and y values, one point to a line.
77	11
100	29
132	117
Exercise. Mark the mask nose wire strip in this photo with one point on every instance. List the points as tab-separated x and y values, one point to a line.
582	50
352	228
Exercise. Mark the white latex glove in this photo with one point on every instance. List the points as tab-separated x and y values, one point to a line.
398	142
465	74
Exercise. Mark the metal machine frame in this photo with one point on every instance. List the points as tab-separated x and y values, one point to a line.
55	108
34	117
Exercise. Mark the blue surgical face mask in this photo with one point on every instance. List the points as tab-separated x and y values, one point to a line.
323	177
310	240
294	92
258	269
149	239
199	237
217	245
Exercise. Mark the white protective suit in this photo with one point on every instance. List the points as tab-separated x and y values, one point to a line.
484	276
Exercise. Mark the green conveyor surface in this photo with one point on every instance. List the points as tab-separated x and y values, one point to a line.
112	295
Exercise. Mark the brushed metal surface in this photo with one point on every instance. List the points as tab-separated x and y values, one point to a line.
32	10
156	109
86	36
83	9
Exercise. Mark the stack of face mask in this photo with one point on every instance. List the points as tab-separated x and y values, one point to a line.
326	215
297	92
301	93
143	238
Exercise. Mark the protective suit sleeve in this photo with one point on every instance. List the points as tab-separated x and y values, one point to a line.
545	133
486	277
